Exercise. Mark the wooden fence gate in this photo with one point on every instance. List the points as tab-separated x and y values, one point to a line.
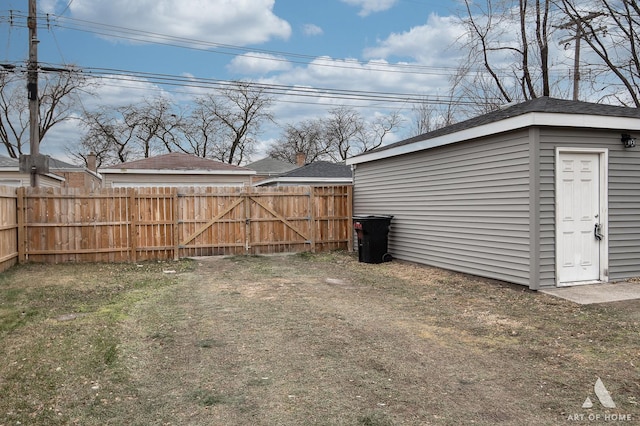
120	224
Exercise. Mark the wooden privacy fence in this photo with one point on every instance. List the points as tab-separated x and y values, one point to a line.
8	228
131	224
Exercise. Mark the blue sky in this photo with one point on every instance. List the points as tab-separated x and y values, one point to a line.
335	44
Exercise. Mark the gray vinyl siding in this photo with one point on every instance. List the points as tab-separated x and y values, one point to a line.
463	207
624	213
624	199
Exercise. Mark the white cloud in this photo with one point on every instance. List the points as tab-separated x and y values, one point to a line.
48	6
240	22
427	44
348	74
312	30
368	7
118	90
423	45
258	63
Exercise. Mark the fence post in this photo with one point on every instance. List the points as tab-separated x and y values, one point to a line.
247	219
20	212
133	214
350	217
312	217
176	240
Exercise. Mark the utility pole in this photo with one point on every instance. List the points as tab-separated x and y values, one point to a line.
32	89
577	23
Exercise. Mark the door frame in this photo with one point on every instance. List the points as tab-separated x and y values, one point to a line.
603	154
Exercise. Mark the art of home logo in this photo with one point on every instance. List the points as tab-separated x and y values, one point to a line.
604	399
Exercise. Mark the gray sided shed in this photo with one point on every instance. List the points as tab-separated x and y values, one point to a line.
483	196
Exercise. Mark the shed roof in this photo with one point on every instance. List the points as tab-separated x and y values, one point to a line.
543	111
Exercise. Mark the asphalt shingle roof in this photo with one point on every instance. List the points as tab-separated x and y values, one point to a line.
542	104
177	161
270	165
56	164
8	162
321	169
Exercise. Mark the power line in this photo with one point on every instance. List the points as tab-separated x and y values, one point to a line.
270	89
169	80
67	8
107	30
130	34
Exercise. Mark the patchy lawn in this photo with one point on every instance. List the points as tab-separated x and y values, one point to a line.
304	339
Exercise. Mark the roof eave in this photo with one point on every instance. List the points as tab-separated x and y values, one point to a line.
177	172
514	123
342	180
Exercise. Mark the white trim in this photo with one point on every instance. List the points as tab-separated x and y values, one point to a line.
175	172
305	180
54	176
174	184
27	176
505	125
604	212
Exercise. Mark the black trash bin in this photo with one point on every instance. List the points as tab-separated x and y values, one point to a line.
372	238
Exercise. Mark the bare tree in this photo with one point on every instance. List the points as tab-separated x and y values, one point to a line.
341	130
199	131
372	135
158	126
58	97
427	117
240	110
107	136
14	110
611	30
336	137
117	135
305	137
221	125
511	68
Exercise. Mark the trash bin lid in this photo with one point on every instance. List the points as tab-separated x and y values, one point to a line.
371	216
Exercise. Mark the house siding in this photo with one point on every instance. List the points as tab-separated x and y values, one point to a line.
463	207
24	179
623	204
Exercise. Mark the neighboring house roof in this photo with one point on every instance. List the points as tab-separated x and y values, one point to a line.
323	169
270	166
56	164
316	172
177	163
8	162
542	111
60	166
12	166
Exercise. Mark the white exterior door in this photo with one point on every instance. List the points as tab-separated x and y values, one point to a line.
580	218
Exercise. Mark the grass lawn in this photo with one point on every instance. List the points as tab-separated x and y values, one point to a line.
304	340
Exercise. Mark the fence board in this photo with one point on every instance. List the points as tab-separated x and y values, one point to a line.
118	224
8	228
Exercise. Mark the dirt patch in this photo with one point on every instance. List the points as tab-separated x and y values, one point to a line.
310	339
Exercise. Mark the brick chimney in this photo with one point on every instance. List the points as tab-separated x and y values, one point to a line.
301	159
91	162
